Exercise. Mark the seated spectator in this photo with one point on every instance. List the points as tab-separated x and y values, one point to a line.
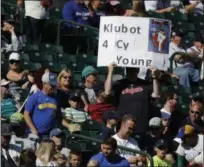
8	105
56	136
197	51
16	43
18	79
110	120
160	159
45	154
74	159
91	85
148	141
170	6
96	13
74	117
6	132
18	141
41	112
194	119
123	138
185	69
194	6
64	89
133	96
191	145
97	110
108	156
76	11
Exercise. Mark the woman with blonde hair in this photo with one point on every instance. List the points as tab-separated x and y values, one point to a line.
45	154
64	88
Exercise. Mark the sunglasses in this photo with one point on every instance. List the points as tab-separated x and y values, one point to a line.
195	112
67	77
14	61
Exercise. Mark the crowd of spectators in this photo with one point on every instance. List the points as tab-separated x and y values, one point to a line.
33	132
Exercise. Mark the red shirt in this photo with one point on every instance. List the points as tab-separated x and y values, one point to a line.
96	110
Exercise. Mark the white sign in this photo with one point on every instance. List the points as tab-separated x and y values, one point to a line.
133	42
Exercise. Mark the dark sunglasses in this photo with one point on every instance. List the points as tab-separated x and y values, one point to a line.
195	112
14	61
67	77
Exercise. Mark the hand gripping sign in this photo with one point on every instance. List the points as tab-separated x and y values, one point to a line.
133	42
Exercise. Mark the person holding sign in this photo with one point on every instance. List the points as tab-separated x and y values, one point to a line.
133	96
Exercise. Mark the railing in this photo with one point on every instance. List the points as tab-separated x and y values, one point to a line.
120	147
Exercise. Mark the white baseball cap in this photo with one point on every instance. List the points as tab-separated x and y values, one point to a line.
14	56
49	78
155	122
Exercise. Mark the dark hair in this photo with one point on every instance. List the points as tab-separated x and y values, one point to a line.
128	117
168	95
110	142
73	152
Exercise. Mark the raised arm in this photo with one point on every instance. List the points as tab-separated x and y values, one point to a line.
156	84
108	83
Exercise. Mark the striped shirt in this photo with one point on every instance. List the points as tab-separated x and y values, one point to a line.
75	116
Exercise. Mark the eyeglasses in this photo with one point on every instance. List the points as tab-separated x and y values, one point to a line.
195	112
14	61
67	77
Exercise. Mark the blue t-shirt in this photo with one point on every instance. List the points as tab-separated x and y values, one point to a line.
76	12
118	160
42	109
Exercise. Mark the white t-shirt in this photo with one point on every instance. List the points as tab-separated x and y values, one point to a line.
150	5
35	9
191	153
131	143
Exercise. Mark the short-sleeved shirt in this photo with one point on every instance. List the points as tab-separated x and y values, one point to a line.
191	153
160	162
130	143
103	161
134	98
43	110
62	97
8	107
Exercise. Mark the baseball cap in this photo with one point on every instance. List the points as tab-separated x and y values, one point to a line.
110	115
49	78
114	2
161	143
4	82
88	70
6	129
14	56
56	132
155	122
16	119
74	96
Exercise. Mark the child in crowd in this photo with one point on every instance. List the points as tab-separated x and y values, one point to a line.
73	115
74	159
160	159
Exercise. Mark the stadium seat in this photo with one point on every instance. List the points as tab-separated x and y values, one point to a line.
4	66
56	12
41	57
31	48
186	27
155	15
55	67
102	70
51	48
91	125
25	56
176	16
85	59
27	65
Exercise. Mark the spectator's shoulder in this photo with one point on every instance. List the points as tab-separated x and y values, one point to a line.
70	4
97	157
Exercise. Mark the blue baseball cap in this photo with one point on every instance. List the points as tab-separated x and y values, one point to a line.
49	78
56	132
